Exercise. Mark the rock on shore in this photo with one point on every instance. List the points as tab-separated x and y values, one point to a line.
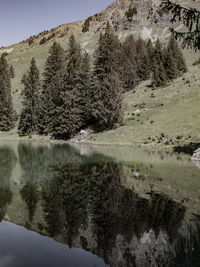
196	155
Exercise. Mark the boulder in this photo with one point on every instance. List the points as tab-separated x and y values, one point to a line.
196	155
137	112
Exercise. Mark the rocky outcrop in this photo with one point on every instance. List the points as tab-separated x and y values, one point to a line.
196	155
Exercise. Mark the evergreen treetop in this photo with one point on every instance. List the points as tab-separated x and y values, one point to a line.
107	87
176	54
29	115
50	95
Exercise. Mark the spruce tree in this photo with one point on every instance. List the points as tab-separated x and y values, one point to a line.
177	54
29	115
142	59
159	73
7	114
83	89
130	77
70	103
170	65
50	94
107	87
151	55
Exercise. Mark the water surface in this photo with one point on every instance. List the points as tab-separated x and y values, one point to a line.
85	206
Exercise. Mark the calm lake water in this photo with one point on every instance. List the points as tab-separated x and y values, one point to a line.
87	206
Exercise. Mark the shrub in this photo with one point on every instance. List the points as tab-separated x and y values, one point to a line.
51	36
43	40
30	41
130	12
86	25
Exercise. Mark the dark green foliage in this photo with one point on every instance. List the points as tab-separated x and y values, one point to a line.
74	97
7	114
29	115
30	194
107	87
138	61
170	65
43	41
130	77
30	41
151	53
70	105
159	74
177	55
86	25
69	116
190	17
51	36
8	161
12	72
142	59
84	89
52	84
65	201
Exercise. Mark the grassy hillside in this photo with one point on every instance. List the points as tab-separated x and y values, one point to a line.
169	115
171	111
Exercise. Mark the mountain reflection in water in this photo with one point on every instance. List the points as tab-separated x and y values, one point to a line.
81	200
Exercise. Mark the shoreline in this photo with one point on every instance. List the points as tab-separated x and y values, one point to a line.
47	139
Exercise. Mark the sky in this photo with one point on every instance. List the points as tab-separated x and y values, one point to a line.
19	19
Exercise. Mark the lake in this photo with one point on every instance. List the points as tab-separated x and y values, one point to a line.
92	206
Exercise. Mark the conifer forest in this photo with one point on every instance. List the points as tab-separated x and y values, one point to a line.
77	90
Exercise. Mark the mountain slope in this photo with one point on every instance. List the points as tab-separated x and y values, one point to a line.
142	18
168	115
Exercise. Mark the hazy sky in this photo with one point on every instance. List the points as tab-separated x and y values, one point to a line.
20	19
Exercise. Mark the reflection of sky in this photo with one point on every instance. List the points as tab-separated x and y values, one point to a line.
20	19
22	248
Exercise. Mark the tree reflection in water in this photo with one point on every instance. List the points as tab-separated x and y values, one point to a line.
7	163
92	196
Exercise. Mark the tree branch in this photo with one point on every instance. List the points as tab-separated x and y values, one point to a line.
190	17
189	39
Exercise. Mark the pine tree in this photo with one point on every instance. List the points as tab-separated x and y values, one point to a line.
7	114
159	74
142	59
69	118
84	87
177	54
170	65
130	77
107	86
151	55
50	94
70	107
29	115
